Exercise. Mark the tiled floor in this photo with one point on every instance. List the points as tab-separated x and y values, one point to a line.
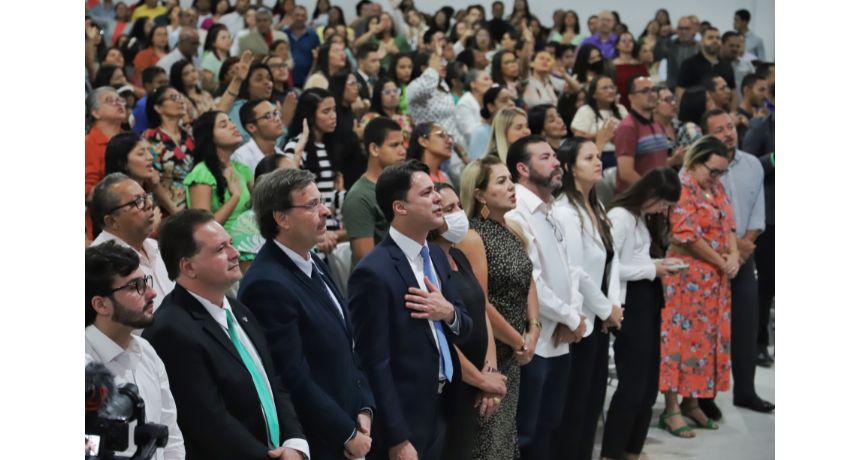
743	434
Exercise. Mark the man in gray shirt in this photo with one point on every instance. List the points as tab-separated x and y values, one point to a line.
677	50
744	184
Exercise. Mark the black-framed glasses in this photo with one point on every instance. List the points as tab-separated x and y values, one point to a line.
139	202
138	284
269	116
556	229
312	206
715	172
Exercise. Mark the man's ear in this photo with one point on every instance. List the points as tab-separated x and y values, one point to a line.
102	305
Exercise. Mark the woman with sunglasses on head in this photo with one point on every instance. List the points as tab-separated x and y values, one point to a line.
639	228
695	334
171	144
216	183
431	144
385	102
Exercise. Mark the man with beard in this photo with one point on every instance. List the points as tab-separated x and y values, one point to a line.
119	299
640	141
126	215
537	172
677	50
718	91
707	62
744	183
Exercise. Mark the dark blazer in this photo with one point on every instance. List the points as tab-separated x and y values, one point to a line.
311	346
364	86
217	406
397	351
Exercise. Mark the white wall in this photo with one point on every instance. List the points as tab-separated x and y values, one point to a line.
634	13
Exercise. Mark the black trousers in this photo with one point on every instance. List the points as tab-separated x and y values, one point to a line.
574	439
765	263
637	361
462	416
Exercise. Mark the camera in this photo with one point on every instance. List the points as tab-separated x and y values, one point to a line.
110	411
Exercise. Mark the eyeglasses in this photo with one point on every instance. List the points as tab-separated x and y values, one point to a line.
116	101
352	83
556	229
650	89
441	133
269	116
140	203
668	99
391	92
172	97
312	206
138	284
715	172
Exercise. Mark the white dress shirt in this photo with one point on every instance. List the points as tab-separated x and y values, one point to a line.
585	250
557	283
412	250
249	154
307	266
140	365
468	116
219	314
150	264
633	249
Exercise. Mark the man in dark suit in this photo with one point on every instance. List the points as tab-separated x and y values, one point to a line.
228	399
305	318
367	57
406	316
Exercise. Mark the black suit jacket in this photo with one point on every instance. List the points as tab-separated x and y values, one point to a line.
364	86
399	352
312	347
217	406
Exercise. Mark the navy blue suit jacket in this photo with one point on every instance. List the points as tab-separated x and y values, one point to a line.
312	347
397	351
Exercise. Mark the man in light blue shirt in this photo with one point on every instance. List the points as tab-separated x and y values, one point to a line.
755	44
744	184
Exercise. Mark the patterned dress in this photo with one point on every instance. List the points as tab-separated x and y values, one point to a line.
173	161
509	275
695	334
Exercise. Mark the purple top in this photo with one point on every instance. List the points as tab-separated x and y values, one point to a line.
607	48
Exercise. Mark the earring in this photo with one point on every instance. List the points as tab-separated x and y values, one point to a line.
485	212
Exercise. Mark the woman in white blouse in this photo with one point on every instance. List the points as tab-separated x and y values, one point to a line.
639	224
468	112
588	239
599	117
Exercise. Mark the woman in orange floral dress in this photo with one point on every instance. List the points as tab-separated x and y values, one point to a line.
695	333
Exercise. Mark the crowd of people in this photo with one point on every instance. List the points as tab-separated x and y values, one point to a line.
425	234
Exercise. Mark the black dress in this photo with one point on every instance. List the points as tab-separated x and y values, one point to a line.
461	413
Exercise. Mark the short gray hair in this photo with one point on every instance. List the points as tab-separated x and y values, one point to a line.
94	102
264	12
103	199
272	194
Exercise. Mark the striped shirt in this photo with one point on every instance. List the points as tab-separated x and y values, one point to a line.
324	179
643	139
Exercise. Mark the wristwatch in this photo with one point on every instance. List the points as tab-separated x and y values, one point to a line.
535	322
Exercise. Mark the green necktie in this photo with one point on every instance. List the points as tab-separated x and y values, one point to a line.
259	383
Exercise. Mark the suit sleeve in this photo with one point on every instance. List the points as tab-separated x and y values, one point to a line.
200	406
279	317
369	306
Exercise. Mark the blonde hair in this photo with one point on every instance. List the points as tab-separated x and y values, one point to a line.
476	176
701	151
501	123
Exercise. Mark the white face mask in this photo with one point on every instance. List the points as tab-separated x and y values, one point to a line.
458	225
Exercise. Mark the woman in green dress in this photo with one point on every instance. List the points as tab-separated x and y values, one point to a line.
217	184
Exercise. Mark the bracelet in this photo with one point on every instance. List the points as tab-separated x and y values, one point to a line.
535	322
231	93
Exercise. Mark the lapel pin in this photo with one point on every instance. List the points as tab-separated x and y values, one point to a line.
245	319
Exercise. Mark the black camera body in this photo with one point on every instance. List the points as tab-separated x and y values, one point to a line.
110	411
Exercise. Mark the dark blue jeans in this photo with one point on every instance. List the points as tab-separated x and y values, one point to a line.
543	388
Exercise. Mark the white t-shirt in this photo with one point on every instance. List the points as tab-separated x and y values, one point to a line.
586	120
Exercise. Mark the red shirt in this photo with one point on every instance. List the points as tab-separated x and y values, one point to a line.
95	144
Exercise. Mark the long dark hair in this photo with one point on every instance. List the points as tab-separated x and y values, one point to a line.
580	64
337	85
321	64
658	183
498	77
416	151
392	69
376	97
103	76
567	154
692	105
206	152
116	153
592	102
212	35
306	109
176	76
243	88
155	98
